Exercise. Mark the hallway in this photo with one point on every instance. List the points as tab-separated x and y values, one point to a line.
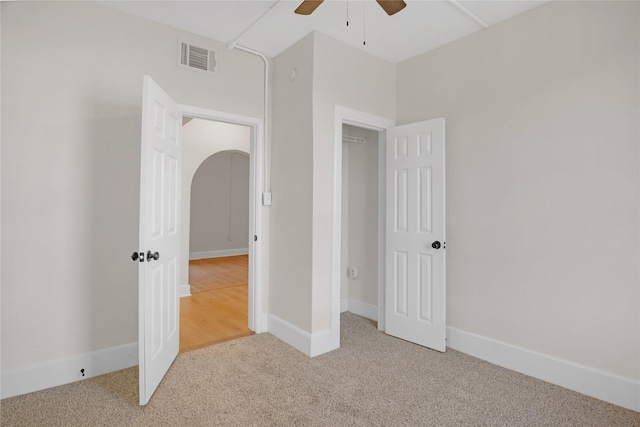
217	309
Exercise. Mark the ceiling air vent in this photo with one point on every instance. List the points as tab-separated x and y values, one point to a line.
197	57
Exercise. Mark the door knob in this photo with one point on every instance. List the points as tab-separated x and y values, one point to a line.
151	256
435	245
138	256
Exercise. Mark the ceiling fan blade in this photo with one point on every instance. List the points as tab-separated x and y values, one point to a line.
308	6
392	6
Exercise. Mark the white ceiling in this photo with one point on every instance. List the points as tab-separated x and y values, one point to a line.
270	26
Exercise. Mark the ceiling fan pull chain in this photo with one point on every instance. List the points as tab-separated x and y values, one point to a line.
347	13
364	25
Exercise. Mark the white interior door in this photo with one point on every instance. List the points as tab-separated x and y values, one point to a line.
160	165
415	234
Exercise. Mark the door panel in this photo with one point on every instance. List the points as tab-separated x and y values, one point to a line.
425	287
160	163
415	282
400	201
401	284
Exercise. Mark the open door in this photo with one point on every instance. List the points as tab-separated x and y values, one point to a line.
415	234
160	169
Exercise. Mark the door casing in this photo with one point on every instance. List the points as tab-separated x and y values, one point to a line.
349	116
258	279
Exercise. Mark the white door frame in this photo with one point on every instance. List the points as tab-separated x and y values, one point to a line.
349	116
257	281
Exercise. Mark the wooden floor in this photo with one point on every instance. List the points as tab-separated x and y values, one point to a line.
216	273
217	309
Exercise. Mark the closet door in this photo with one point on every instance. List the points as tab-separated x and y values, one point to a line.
415	234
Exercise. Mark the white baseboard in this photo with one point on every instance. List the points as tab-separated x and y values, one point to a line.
322	342
311	345
363	309
63	371
292	335
583	379
360	308
219	253
184	290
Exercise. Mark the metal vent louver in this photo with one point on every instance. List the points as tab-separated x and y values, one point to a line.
197	57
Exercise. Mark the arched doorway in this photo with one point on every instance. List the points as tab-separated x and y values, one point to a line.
216	178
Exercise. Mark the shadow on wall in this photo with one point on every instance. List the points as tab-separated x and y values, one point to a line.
113	188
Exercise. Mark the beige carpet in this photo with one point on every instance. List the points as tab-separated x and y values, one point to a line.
373	380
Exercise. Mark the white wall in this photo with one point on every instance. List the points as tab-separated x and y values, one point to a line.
303	148
220	204
360	216
291	174
342	76
71	99
543	189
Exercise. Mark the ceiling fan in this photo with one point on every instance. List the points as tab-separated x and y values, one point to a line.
390	6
